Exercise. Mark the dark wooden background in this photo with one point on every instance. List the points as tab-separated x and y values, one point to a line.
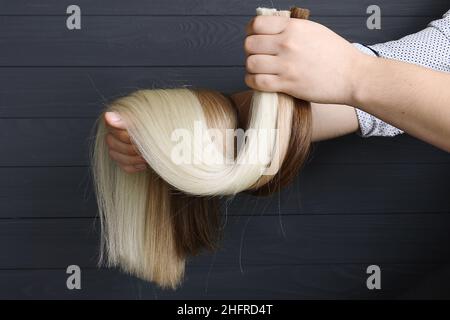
358	202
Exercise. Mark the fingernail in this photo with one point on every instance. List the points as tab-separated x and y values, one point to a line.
140	166
114	117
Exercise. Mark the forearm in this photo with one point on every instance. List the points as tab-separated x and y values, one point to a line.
331	121
410	97
328	120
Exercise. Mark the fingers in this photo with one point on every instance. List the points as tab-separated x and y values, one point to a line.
121	135
261	44
264	64
114	120
119	146
134	169
267	25
125	155
125	159
264	82
128	163
117	127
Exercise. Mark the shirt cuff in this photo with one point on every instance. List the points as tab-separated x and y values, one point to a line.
370	126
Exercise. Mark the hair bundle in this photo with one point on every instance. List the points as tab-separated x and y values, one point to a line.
153	220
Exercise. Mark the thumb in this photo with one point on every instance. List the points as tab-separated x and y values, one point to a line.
114	120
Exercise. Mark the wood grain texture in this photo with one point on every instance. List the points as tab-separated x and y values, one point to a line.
358	201
221	7
343	281
65	142
44	192
254	240
82	92
157	41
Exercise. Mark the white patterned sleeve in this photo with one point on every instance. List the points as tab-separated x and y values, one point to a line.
429	48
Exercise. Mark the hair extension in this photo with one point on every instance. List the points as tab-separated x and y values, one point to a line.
152	221
300	138
297	151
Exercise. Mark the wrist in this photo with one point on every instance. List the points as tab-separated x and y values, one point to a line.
362	71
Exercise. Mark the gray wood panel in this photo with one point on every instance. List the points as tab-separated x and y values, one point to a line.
358	202
254	240
157	41
65	142
343	281
34	192
221	7
82	92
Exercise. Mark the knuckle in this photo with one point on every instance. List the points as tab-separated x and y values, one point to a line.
124	136
251	63
287	44
262	81
257	23
248	43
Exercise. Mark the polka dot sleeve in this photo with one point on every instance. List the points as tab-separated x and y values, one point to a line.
428	48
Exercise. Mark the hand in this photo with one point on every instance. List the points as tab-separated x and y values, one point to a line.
121	148
125	153
301	58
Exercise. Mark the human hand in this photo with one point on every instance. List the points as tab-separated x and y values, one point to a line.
126	154
303	59
121	148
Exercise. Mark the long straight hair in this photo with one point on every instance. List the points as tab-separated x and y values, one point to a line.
152	221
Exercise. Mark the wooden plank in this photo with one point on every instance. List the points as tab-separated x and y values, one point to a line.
344	281
34	192
48	145
46	192
156	41
64	142
349	181
221	7
45	141
257	240
434	285
399	149
82	92
357	189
